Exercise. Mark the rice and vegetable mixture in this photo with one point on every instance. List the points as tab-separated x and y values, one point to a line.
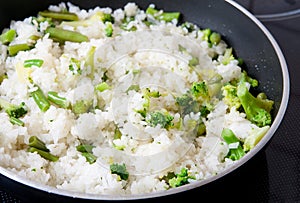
124	101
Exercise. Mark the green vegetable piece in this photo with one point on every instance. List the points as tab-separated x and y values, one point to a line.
134	88
246	78
187	104
87	152
230	96
33	62
230	138
194	61
58	100
108	18
200	90
8	36
91	158
109	29
35	142
117	134
16	121
75	66
119	169
66	35
40	99
165	16
206	34
3	77
158	118
228	56
189	26
181	178
45	155
81	106
14	49
215	38
102	87
255	136
68	16
85	148
15	111
89	61
257	110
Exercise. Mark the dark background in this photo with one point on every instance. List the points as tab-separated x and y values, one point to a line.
277	179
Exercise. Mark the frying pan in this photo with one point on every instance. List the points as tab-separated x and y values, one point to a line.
240	29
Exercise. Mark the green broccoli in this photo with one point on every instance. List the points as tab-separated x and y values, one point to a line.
158	118
255	136
187	104
246	78
199	90
230	138
257	109
14	111
180	179
120	170
230	97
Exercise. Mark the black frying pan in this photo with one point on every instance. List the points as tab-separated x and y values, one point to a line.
250	40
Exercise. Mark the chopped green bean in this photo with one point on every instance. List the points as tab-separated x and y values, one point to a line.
45	155
33	62
8	36
14	49
68	16
16	121
66	35
165	16
40	99
35	142
59	101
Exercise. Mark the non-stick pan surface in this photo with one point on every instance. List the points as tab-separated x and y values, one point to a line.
249	38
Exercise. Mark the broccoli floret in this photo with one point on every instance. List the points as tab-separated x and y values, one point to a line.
159	118
180	179
199	90
230	96
257	109
246	78
120	170
187	104
255	136
14	111
235	151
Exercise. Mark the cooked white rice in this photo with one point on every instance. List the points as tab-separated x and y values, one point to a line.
148	57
